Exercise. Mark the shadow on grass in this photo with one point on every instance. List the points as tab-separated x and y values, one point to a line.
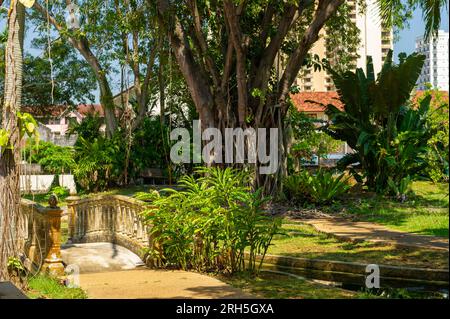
317	245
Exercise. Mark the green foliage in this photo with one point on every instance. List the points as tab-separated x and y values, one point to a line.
59	191
150	146
397	13
99	162
27	126
390	137
47	287
437	120
73	80
308	140
150	196
319	188
211	223
14	264
88	129
53	159
402	189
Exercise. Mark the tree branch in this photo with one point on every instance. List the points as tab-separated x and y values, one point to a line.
237	40
325	9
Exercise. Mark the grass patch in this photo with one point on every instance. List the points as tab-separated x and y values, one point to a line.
42	200
426	213
49	288
304	241
272	285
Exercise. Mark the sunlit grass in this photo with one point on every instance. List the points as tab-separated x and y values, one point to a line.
426	213
303	241
272	285
49	288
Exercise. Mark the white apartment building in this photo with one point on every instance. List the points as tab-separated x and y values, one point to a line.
435	69
376	40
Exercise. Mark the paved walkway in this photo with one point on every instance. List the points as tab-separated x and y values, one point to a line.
360	231
109	271
146	283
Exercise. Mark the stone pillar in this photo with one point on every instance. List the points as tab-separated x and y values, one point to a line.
71	200
53	262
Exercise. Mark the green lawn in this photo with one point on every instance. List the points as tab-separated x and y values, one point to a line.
426	213
49	288
272	285
301	240
42	200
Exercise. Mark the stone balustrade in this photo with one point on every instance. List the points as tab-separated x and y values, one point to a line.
109	218
39	236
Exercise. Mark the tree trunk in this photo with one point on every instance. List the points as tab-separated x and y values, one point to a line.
10	158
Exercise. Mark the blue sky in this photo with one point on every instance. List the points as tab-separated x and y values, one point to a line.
408	36
405	43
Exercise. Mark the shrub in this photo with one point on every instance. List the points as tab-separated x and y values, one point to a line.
321	188
149	196
400	190
53	159
211	223
59	191
99	163
390	138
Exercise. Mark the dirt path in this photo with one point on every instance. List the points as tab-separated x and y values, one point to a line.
146	283
359	231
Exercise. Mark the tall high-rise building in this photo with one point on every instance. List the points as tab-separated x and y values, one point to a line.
435	69
375	41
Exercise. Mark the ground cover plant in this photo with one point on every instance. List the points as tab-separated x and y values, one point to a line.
321	187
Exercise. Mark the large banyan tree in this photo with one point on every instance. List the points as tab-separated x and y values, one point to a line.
240	58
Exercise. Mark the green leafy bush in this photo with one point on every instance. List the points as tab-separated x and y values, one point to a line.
53	159
149	196
211	224
402	189
99	163
59	191
320	188
390	138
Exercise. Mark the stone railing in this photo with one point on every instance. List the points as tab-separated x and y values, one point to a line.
109	218
39	236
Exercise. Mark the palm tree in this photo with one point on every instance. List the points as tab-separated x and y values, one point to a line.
431	10
10	157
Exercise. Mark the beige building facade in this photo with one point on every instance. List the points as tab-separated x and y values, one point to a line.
376	41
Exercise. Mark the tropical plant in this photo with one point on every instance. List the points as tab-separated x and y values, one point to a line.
212	223
400	190
88	128
320	188
388	136
149	196
54	159
437	120
98	163
60	192
308	140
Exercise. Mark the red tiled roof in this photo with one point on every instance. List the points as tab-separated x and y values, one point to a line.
49	110
419	94
58	110
301	100
85	109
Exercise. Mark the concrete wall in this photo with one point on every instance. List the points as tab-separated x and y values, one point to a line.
47	135
42	183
